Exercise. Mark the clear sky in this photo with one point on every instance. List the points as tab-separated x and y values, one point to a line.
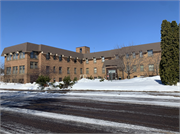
99	25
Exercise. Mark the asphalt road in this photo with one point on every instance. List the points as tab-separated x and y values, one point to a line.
165	118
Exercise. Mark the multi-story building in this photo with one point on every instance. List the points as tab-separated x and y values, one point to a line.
25	62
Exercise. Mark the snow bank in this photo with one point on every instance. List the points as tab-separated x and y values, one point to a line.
28	86
135	84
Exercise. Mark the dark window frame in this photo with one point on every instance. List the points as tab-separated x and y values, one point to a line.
60	70
48	56
60	58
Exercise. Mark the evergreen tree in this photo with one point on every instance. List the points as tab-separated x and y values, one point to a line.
169	64
175	47
163	69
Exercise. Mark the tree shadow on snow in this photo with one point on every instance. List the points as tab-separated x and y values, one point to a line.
159	81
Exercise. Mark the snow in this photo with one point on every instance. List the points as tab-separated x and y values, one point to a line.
80	119
135	84
20	86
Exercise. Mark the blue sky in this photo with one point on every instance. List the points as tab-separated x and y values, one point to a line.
99	25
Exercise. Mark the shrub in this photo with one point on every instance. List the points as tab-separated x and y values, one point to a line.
91	77
42	80
67	81
61	85
99	77
101	80
75	79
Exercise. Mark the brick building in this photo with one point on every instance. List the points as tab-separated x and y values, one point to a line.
25	62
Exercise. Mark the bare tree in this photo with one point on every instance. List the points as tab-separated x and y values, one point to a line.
44	70
1	70
129	60
155	61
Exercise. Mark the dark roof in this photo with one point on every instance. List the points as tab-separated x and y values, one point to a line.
28	47
144	47
59	51
21	47
115	62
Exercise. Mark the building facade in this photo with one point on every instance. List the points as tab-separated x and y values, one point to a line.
25	62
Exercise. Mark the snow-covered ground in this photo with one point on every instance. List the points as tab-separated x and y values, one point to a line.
135	84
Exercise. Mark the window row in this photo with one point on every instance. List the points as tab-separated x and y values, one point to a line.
149	52
15	70
150	66
15	56
95	70
60	70
60	58
94	59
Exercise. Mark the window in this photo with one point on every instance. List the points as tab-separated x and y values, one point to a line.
60	70
47	69
33	55
9	57
54	69
150	52
14	56
134	68
21	55
68	59
21	69
60	58
15	68
54	57
81	61
95	70
60	79
81	71
47	56
68	70
75	60
87	70
103	70
103	59
151	67
54	80
117	56
33	65
74	70
140	54
94	60
127	56
8	70
80	50
141	68
134	55
87	61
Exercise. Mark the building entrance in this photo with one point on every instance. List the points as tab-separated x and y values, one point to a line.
111	74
